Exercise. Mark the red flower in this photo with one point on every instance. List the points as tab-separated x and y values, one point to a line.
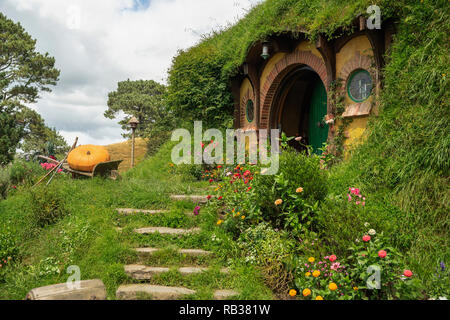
220	198
218	167
332	258
366	238
382	254
211	180
246	173
407	273
249	188
209	197
14	187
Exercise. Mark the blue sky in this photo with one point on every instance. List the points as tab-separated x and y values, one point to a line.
98	43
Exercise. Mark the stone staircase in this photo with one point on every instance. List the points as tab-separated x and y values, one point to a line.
141	272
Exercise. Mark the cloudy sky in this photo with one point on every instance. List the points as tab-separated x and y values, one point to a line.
99	43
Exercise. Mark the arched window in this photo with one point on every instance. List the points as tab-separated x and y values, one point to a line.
250	111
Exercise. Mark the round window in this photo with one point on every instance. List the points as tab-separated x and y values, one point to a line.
250	111
359	85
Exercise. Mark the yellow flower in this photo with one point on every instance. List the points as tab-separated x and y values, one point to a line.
278	202
316	273
355	288
293	293
306	292
332	286
311	259
319	298
299	190
308	274
219	222
243	217
238	214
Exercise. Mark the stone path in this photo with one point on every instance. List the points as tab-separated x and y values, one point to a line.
142	272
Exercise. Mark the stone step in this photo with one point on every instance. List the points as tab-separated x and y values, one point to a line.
128	212
188	252
141	272
132	292
193	198
224	294
87	290
165	230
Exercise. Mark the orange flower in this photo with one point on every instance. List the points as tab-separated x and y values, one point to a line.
319	298
219	222
278	202
332	286
316	273
299	190
293	293
306	292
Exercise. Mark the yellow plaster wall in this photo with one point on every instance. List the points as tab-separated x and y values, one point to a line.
361	44
356	128
308	46
269	67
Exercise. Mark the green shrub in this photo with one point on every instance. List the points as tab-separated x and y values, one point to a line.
48	205
298	170
5	182
269	249
23	172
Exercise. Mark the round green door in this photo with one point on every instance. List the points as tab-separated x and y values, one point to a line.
318	129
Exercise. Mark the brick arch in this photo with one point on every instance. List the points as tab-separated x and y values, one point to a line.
280	70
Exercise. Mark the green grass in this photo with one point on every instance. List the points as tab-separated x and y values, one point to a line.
86	235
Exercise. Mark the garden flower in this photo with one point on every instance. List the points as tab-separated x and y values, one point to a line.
355	288
278	202
299	190
382	254
316	273
220	198
219	222
332	258
308	274
366	238
442	264
243	217
319	298
335	266
407	273
293	293
311	259
372	232
332	286
209	197
306	292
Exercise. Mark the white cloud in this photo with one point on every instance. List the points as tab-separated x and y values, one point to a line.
99	43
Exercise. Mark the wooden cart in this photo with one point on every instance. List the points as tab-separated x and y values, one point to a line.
103	169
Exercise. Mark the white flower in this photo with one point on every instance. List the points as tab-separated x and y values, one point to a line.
443	298
366	224
357	240
372	232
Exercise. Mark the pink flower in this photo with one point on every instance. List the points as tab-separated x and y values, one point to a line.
333	258
366	238
335	266
382	254
407	273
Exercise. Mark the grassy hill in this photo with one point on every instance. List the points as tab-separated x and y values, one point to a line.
122	151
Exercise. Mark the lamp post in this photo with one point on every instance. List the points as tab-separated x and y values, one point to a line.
133	124
265	50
